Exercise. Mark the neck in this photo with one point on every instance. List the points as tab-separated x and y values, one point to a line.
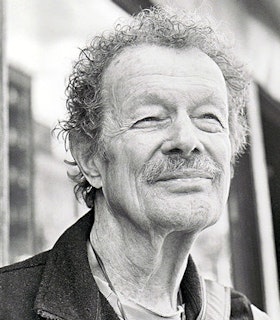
144	266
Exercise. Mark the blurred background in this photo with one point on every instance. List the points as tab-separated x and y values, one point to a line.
39	42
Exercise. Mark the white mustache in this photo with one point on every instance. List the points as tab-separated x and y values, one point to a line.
176	166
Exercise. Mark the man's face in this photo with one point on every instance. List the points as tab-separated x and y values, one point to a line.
166	138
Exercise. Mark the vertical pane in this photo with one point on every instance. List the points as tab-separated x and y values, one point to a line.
20	165
246	261
4	198
270	111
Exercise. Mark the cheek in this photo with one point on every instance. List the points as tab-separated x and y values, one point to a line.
219	147
134	149
124	160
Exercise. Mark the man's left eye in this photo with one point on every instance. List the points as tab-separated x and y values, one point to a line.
212	116
209	122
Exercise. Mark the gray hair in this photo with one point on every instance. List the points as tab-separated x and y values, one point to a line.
157	26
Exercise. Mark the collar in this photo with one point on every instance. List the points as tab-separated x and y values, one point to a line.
68	290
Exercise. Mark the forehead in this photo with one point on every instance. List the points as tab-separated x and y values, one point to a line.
146	68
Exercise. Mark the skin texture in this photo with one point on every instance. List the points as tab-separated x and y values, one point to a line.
163	105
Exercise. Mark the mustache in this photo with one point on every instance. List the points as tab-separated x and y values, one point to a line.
153	170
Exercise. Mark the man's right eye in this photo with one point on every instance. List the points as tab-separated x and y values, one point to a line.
146	122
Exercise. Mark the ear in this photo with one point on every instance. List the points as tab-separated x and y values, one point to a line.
89	165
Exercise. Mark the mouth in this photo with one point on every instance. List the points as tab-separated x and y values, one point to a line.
187	182
186	175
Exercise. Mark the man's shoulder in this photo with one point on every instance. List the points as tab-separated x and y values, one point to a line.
258	314
23	277
19	284
32	268
31	265
240	306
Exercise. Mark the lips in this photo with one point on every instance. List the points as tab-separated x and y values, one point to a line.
189	174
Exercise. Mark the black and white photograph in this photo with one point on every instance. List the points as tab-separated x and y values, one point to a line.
139	160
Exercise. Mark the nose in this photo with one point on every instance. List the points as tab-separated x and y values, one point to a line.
183	138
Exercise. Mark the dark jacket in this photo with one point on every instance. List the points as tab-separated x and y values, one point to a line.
58	284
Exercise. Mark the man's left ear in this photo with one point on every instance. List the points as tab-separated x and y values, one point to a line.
90	166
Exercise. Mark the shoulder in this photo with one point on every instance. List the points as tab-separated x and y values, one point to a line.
18	275
30	265
258	314
241	305
19	282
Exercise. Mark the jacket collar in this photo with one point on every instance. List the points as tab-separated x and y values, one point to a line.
68	290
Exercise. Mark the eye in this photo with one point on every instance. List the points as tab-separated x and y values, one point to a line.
212	116
146	122
148	119
209	122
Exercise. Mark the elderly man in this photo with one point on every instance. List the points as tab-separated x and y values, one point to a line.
156	120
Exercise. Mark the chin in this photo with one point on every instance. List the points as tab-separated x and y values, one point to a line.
190	216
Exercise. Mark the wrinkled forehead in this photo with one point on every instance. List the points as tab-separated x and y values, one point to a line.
135	64
152	58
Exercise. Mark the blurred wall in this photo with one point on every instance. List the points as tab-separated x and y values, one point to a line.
42	41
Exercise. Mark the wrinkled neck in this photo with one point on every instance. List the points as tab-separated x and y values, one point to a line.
144	266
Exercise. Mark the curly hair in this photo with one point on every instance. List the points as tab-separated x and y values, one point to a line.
156	26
